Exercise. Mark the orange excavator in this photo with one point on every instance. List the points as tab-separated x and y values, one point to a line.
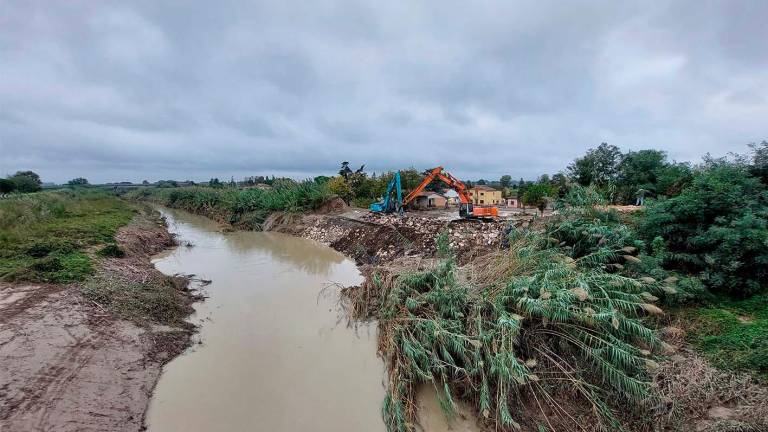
467	210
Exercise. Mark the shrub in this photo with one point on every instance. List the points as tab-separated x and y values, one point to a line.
716	227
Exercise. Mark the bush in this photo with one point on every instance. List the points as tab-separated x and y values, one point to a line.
716	227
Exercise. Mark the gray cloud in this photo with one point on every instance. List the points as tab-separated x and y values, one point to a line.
144	89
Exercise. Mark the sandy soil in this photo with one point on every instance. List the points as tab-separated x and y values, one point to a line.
66	364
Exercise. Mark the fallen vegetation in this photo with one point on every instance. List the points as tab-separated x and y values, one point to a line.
519	328
554	331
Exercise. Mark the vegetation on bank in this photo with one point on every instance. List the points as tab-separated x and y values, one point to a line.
48	236
558	315
245	208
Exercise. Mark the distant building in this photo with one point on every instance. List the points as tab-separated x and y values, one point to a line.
485	195
452	196
427	200
512	202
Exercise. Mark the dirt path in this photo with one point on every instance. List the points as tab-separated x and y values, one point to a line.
68	364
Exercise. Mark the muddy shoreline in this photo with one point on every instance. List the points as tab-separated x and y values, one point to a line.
71	364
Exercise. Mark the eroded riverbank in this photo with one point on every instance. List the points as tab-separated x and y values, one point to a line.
70	363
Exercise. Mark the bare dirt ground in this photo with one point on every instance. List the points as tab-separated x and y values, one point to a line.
68	364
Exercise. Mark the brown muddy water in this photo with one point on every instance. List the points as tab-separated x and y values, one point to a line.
274	354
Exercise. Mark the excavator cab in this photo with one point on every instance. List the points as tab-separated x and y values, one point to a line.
465	210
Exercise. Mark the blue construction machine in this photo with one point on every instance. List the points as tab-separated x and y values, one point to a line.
393	198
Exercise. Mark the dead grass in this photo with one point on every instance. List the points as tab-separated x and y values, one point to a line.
694	394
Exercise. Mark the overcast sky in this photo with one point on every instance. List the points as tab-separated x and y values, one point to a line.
133	90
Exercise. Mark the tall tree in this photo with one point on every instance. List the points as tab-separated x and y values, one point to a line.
6	186
26	181
639	171
505	181
599	166
759	163
79	181
536	195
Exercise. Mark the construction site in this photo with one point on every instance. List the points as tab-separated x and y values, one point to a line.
366	216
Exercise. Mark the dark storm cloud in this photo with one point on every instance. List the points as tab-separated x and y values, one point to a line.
179	89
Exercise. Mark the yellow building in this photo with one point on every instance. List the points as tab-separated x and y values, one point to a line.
486	195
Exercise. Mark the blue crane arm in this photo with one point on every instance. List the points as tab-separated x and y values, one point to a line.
387	205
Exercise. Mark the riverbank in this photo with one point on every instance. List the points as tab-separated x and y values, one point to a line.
82	350
655	381
689	391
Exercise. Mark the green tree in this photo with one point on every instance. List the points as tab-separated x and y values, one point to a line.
482	182
560	185
599	166
341	188
79	181
505	181
26	181
716	227
322	179
759	163
410	178
215	183
639	170
7	186
536	196
673	178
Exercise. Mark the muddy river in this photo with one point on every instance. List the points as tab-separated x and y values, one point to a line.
273	354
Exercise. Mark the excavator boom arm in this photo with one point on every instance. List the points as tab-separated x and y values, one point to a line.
427	180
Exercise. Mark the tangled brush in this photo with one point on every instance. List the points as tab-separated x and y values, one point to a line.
518	328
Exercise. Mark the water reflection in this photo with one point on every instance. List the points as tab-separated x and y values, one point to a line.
307	256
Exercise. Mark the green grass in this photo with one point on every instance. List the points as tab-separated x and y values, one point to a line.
46	236
733	334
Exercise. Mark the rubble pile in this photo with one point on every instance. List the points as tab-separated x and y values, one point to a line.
374	238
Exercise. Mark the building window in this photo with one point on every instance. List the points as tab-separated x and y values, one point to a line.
482	193
481	201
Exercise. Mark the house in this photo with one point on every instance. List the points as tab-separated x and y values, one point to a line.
452	196
486	195
427	200
512	202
